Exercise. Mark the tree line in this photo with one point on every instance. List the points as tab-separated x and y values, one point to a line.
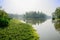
34	14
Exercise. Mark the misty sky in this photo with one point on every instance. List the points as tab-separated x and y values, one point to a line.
21	6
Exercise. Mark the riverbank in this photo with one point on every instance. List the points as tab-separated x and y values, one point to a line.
17	30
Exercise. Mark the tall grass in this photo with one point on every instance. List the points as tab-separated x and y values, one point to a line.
17	30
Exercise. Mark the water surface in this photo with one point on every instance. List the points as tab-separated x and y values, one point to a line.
46	30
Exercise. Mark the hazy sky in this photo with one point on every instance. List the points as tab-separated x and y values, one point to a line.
21	6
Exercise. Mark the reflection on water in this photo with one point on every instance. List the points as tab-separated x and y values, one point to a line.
45	28
34	21
57	25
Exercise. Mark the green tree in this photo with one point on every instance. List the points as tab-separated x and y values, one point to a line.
57	12
34	14
4	19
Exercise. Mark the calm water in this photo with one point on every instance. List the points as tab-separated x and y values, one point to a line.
46	29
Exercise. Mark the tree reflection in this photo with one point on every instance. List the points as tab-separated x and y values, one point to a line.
57	25
34	20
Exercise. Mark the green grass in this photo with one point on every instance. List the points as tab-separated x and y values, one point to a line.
18	31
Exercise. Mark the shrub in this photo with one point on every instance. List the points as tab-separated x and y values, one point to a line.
18	31
4	19
3	23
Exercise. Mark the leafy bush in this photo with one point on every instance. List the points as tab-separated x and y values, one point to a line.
4	19
18	31
3	23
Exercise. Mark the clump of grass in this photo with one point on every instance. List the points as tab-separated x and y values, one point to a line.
17	30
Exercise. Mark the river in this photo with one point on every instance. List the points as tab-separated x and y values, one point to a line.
47	31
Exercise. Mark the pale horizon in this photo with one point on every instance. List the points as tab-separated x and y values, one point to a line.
22	6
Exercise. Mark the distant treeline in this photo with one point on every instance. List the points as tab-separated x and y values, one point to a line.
31	14
16	16
34	14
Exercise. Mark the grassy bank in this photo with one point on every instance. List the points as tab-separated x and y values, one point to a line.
18	31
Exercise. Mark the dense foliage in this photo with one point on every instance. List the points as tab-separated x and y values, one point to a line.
18	31
35	15
56	14
4	19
